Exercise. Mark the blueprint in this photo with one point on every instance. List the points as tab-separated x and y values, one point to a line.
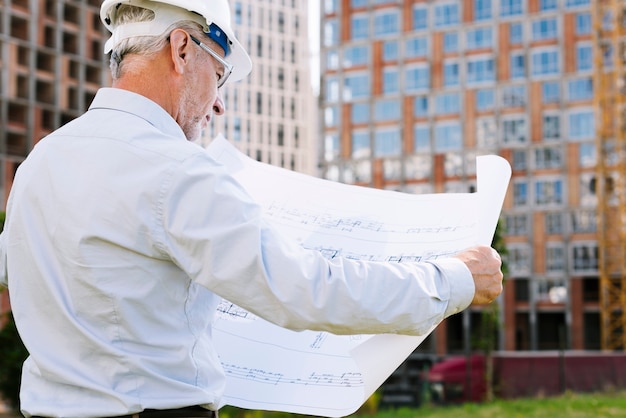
317	373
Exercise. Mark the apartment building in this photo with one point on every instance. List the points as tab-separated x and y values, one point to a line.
271	115
51	65
413	90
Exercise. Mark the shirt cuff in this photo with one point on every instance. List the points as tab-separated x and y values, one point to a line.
461	283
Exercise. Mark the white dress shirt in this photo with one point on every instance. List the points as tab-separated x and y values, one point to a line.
120	236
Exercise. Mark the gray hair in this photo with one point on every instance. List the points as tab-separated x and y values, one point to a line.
141	45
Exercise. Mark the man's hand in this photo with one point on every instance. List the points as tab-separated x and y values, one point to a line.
484	263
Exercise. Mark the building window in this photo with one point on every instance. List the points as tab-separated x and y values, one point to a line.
331	33
544	29
518	260
331	6
356	55
555	258
580	89
453	167
584	220
356	86
416	47
516	224
420	106
551	290
588	197
420	17
486	133
447	103
583	24
357	4
518	65
511	7
332	60
450	42
421	138
480	71
550	92
548	157
392	169
514	131
551	127
587	154
581	125
387	142
361	144
520	193
485	99
519	159
482	9
584	57
554	223
331	147
576	3
360	113
585	257
451	74
385	110
391	51
545	62
545	5
418	167
548	192
386	23
522	290
390	81
447	14
360	26
514	96
331	116
448	136
516	33
480	38
417	78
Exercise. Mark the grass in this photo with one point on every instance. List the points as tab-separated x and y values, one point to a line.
570	405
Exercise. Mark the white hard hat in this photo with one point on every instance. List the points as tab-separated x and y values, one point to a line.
208	13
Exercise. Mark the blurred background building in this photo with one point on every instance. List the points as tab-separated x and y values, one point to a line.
51	65
410	92
413	90
270	116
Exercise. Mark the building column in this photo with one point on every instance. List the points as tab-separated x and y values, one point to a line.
576	308
507	308
441	339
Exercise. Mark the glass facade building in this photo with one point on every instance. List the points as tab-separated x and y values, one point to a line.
413	90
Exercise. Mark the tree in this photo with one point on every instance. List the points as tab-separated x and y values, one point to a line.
490	319
12	355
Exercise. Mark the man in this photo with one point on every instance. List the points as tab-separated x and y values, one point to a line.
122	236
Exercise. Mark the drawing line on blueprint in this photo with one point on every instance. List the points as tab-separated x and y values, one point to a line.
230	311
326	220
345	379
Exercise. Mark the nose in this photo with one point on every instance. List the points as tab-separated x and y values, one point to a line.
218	105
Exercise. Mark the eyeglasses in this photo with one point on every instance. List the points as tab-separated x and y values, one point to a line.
228	68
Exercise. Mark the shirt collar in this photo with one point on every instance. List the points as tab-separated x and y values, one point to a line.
138	105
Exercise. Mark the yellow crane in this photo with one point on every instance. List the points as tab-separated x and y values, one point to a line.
609	38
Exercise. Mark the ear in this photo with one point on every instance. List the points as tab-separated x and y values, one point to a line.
180	43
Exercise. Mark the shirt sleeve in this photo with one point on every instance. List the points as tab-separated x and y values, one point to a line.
461	282
3	262
218	236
